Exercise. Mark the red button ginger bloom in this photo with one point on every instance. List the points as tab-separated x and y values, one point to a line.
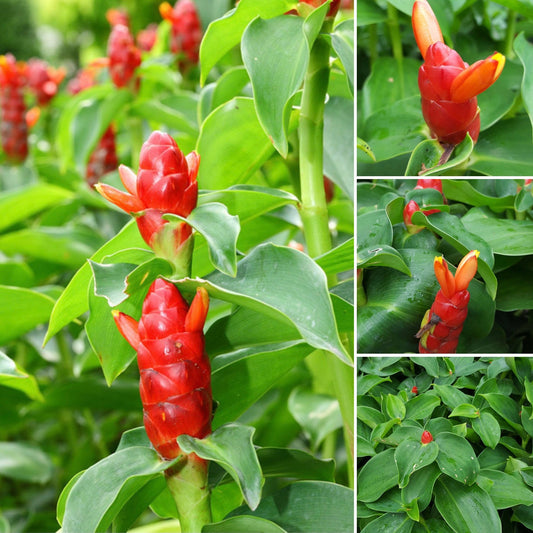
175	373
44	80
447	84
186	29
427	437
103	159
124	56
166	183
443	322
13	126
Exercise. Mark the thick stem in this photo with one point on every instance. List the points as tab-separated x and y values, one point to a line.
188	486
509	34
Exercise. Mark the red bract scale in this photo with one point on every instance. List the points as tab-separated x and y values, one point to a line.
146	38
443	322
329	189
186	29
124	56
414	390
13	127
447	84
427	437
175	372
103	159
166	183
429	183
43	80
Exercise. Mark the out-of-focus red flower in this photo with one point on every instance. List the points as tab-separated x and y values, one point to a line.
13	126
447	84
32	116
103	158
443	322
124	56
175	384
186	29
146	38
86	77
44	80
166	183
117	16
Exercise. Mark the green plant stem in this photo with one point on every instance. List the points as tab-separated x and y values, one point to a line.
508	51
396	42
187	483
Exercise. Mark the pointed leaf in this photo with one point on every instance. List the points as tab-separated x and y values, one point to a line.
232	448
25	462
456	458
12	376
342	40
412	455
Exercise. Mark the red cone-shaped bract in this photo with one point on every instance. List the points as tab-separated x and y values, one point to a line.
103	159
124	56
186	29
13	127
43	80
166	183
175	384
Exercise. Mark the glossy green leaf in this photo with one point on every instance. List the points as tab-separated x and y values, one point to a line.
231	83
12	376
285	284
165	113
524	50
276	77
338	143
342	40
225	33
240	378
412	455
421	484
306	507
467	410
20	204
421	407
507	408
377	476
243	524
466	509
21	310
369	13
339	259
25	462
504	149
456	458
222	146
390	523
507	490
318	414
232	448
394	406
100	492
383	256
74	300
464	191
373	228
220	230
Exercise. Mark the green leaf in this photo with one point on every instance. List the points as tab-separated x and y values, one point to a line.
220	230
165	112
524	51
507	408
225	33
12	376
222	146
306	507
466	509
456	458
394	406
99	494
285	284
318	414
230	84
373	228
22	310
241	378
25	462
339	259
465	192
390	523
382	255
412	455
488	429
232	448
243	524
377	476
342	40
421	485
467	410
369	12
421	407
20	204
74	301
507	490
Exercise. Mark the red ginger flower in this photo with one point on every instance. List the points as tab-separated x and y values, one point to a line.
447	84
166	183
443	322
124	56
43	80
117	16
146	38
186	28
175	372
103	158
13	127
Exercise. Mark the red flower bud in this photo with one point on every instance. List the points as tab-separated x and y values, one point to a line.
447	84
414	390
166	183
124	56
103	159
13	128
427	437
175	372
410	208
186	29
146	38
429	183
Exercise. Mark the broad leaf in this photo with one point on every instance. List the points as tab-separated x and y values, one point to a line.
25	462
12	376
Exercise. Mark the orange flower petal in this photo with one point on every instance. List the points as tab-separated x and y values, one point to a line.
195	319
128	327
128	178
165	9
466	270
444	277
425	26
477	78
128	202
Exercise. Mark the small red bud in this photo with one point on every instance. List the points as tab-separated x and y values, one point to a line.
414	390
427	437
